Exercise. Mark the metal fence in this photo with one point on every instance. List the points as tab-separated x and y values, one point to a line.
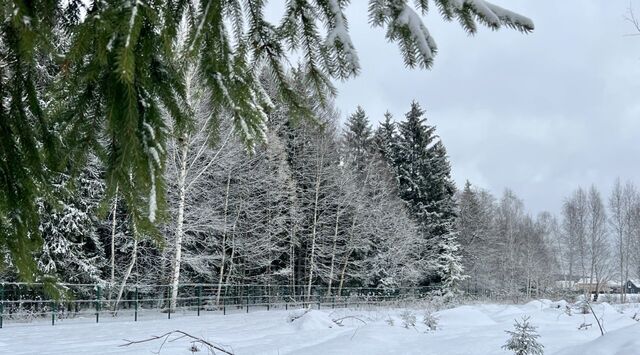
26	302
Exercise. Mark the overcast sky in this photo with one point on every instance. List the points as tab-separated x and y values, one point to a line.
540	113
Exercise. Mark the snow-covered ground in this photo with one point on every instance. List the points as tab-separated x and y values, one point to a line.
469	329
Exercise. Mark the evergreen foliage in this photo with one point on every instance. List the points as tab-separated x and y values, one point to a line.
358	136
524	339
424	183
385	138
72	249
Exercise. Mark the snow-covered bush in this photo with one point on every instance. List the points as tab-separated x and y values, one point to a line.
584	307
567	310
523	339
609	298
430	320
408	319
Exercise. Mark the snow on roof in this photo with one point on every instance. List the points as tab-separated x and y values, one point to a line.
586	280
635	282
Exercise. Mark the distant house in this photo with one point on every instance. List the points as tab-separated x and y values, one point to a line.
588	285
565	285
633	286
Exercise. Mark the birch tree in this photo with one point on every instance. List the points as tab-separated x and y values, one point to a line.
621	220
598	250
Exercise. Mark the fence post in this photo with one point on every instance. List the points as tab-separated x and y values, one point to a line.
53	313
97	303
199	298
135	312
169	293
224	305
1	303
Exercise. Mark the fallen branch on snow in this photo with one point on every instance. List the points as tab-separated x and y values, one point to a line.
339	320
293	317
165	338
584	326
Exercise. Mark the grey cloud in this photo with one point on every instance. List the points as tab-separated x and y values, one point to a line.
539	113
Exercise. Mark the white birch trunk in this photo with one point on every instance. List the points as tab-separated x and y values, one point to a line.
314	230
113	243
333	252
179	223
134	258
224	241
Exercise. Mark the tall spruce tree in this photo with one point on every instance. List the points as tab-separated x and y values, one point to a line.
358	135
385	138
72	248
424	179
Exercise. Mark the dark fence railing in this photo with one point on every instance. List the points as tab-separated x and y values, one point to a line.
25	302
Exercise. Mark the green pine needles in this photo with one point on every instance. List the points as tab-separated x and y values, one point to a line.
523	339
107	77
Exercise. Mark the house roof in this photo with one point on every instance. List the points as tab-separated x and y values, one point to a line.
635	282
586	280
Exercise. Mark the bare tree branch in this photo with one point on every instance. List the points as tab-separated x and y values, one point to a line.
631	18
166	338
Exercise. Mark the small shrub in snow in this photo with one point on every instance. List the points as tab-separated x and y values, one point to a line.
430	320
584	307
567	310
408	319
390	321
523	340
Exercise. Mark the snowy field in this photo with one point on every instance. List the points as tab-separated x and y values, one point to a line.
470	329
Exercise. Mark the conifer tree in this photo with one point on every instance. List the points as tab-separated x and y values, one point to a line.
424	180
72	249
524	339
449	265
358	136
385	138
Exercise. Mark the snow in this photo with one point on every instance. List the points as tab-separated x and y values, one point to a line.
495	15
426	44
623	341
132	21
339	35
153	204
468	329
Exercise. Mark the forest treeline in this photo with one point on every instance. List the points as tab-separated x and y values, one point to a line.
317	205
329	205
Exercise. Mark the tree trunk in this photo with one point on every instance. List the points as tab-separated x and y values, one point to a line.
184	148
314	231
233	248
292	262
333	252
113	243
349	251
134	258
343	272
224	238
